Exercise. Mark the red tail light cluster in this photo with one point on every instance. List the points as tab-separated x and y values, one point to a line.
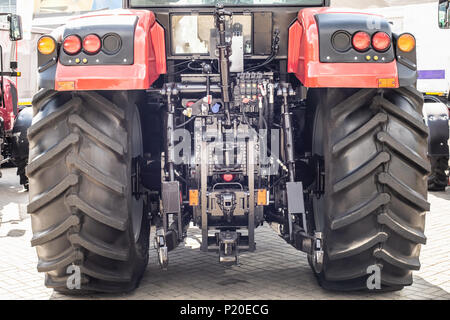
361	41
72	45
91	44
380	41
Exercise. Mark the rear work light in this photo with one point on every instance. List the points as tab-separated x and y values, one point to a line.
381	41
72	45
361	41
92	44
341	41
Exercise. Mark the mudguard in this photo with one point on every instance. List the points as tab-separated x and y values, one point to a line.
316	65
436	118
19	140
139	62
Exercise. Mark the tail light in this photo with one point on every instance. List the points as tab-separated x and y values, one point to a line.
92	44
361	41
72	45
228	177
381	41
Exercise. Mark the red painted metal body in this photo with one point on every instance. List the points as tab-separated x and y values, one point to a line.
149	60
7	110
303	59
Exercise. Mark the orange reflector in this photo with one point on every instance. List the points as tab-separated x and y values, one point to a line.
65	85
262	198
387	83
406	42
193	198
46	45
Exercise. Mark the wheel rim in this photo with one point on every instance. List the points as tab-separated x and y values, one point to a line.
137	206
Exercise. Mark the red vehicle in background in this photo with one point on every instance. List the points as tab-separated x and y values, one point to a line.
14	121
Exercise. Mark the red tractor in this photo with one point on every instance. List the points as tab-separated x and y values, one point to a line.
228	116
14	120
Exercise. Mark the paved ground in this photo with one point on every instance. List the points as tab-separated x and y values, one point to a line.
274	271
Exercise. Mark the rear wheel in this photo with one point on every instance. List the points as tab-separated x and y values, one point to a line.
374	147
83	150
438	179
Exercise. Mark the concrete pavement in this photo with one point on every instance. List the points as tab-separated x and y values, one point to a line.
274	271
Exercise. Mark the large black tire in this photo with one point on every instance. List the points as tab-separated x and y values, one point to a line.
374	146
438	179
83	213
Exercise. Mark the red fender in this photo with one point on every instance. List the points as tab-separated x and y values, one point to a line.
149	60
11	100
304	61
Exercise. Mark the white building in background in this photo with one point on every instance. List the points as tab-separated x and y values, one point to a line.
433	43
420	17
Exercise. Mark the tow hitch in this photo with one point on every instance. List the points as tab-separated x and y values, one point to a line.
228	246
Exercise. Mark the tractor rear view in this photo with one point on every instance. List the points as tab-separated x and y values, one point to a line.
294	114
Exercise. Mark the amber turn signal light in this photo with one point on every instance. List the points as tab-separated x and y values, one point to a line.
406	42
46	45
